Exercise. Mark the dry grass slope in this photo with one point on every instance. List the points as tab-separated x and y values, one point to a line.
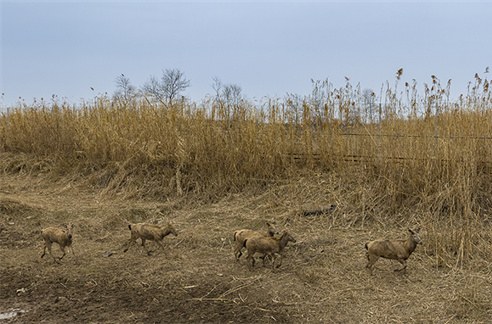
197	279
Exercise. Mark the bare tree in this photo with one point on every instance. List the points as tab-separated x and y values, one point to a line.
124	89
172	83
294	104
229	96
234	99
153	87
232	94
217	86
369	99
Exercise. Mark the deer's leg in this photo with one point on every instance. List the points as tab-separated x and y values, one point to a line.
44	250
251	260
237	251
62	248
49	251
372	259
404	263
132	239
143	244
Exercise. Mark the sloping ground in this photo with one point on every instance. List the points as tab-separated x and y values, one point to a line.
196	279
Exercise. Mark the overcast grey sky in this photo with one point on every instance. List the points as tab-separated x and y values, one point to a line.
269	48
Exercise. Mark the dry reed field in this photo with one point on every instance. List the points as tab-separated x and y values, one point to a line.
419	160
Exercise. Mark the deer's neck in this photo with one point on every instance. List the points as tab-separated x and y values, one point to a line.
411	245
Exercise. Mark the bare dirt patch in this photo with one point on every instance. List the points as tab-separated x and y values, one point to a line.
196	279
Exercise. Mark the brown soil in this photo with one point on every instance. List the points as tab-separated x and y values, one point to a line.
322	278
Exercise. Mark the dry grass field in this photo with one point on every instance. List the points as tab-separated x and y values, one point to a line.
322	278
211	169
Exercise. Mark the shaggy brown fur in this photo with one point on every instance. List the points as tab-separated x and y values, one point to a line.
241	236
271	246
57	235
149	232
398	250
